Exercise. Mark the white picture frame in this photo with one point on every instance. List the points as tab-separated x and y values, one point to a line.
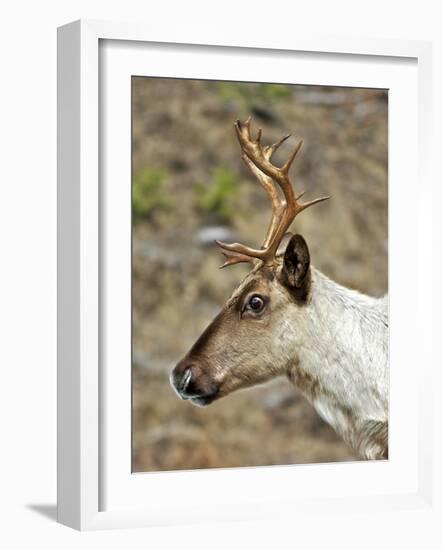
96	489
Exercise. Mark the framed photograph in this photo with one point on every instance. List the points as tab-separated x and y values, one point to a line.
189	393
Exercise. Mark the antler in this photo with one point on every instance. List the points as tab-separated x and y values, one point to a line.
284	209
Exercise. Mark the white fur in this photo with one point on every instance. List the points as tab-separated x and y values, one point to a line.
339	340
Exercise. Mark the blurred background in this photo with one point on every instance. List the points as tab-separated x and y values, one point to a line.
191	187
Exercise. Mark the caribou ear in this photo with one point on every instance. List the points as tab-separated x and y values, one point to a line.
284	243
296	263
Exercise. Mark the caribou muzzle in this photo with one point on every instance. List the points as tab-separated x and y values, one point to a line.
191	381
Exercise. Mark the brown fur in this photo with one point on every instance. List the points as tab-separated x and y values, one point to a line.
307	384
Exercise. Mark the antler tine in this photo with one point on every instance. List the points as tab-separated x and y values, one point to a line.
287	165
261	156
269	150
233	257
284	210
241	250
276	203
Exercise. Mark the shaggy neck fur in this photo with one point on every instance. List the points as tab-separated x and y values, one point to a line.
342	363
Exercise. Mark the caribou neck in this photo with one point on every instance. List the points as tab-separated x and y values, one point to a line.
341	360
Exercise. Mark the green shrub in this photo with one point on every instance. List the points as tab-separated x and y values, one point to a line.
215	198
148	192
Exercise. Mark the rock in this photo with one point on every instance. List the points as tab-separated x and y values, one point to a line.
207	235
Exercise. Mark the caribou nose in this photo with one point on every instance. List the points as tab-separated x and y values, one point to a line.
185	380
181	378
192	380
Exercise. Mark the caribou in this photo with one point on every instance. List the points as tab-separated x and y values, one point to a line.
286	318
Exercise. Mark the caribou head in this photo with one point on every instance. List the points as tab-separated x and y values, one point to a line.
255	336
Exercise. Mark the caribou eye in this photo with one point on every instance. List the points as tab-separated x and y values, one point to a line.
256	304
